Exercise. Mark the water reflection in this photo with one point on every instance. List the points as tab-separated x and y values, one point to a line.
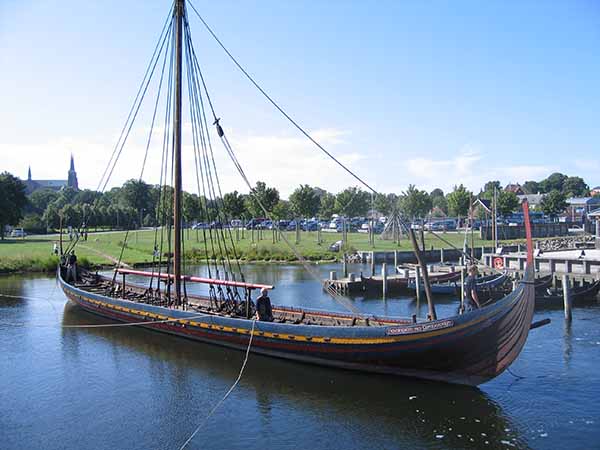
394	412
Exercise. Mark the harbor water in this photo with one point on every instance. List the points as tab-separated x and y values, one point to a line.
131	388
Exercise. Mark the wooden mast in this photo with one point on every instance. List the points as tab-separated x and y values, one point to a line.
179	11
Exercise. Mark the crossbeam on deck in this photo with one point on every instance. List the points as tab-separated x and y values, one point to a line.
165	276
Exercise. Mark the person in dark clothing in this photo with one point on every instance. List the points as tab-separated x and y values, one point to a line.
72	267
471	297
263	307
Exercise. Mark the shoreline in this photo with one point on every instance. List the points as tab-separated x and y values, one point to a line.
38	266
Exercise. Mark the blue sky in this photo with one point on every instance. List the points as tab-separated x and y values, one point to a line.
431	93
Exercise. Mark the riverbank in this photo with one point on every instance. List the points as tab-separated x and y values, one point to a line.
103	249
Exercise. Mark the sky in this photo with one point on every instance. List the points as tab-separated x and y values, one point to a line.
434	93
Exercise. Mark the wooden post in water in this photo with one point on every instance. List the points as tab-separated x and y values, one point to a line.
462	290
432	314
372	264
566	297
384	278
345	265
442	255
395	261
418	282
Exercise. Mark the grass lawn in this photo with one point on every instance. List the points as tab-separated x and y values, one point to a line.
34	253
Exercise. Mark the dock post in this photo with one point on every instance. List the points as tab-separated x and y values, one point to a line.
384	278
345	265
418	282
372	264
442	255
567	297
462	289
395	261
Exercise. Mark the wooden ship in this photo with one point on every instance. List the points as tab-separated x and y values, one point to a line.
469	349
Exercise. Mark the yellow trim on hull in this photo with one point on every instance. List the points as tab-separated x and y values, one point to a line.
292	337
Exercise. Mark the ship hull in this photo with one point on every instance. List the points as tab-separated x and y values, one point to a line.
468	349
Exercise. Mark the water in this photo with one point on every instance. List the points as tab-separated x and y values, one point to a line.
114	388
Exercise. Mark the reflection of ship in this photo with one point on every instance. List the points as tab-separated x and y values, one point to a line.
471	348
376	402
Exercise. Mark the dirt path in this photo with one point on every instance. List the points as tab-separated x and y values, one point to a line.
110	258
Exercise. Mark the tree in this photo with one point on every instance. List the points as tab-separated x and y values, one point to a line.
12	201
553	182
136	194
531	187
304	201
86	196
32	223
575	187
71	216
352	202
327	206
459	201
437	192
440	203
553	203
190	207
507	202
415	203
268	198
234	205
40	199
282	210
51	216
385	203
488	189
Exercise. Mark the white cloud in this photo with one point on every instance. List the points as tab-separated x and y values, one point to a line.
471	168
284	161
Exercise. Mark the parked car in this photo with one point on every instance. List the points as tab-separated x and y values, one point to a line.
311	226
254	223
18	233
441	225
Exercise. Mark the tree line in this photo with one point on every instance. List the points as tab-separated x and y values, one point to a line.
137	203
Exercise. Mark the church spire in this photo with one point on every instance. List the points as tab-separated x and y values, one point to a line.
29	174
72	180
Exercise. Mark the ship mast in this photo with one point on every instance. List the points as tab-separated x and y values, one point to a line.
177	197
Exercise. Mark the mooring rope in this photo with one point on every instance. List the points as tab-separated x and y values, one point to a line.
233	386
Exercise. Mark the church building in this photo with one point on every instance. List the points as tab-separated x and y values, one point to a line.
55	185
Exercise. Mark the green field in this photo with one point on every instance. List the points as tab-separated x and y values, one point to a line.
34	253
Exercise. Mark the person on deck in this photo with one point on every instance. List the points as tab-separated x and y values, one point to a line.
72	267
471	297
263	306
